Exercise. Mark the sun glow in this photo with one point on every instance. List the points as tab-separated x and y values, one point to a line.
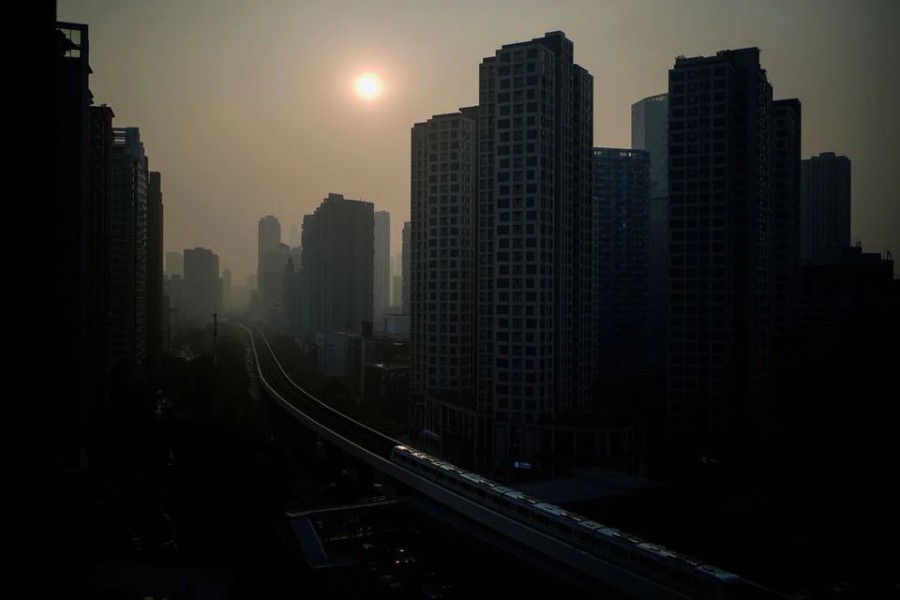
368	86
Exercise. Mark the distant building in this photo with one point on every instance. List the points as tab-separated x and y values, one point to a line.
128	236
271	285
174	264
337	266
649	131
382	274
825	206
268	236
200	296
622	217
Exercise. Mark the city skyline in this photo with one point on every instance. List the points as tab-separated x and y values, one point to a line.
301	132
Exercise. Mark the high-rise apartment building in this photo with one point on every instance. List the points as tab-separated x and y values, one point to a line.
536	326
128	238
337	266
268	236
443	252
825	207
722	172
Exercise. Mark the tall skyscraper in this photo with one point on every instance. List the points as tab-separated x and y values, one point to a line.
154	285
80	233
338	266
649	131
721	173
443	390
622	209
200	296
268	236
128	235
825	206
406	264
536	326
382	275
174	264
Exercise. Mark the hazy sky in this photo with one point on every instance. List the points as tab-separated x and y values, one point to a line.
247	108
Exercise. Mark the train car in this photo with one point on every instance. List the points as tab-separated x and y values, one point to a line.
655	562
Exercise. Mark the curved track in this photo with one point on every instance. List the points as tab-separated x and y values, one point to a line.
302	401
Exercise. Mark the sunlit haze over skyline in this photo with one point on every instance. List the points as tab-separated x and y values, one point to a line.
249	109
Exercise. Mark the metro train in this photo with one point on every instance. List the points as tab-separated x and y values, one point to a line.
675	571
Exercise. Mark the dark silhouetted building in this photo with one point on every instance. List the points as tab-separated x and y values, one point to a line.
154	269
128	235
443	390
622	214
338	266
721	218
200	294
536	325
382	274
825	206
649	131
81	170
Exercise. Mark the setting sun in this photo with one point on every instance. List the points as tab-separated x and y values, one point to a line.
368	86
